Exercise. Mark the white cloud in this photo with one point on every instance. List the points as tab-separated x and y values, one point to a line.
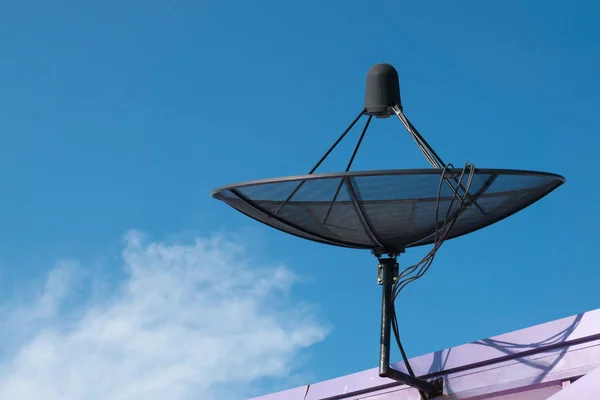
199	321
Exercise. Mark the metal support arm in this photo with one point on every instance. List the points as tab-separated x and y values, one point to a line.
387	271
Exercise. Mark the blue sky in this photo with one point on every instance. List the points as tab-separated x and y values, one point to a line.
121	116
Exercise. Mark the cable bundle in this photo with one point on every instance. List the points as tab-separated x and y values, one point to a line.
442	230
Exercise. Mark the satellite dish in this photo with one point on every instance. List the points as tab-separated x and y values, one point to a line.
384	211
389	211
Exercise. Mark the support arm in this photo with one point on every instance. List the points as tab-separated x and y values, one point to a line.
387	270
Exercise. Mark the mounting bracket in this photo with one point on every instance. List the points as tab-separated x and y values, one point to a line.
387	272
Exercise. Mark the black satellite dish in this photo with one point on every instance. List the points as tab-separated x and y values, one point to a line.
389	211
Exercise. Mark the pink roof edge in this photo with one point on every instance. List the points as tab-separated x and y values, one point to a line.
549	355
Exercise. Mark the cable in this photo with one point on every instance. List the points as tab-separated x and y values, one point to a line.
401	348
430	154
441	233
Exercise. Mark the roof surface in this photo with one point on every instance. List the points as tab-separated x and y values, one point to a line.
546	361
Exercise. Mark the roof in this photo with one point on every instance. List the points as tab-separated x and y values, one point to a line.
556	360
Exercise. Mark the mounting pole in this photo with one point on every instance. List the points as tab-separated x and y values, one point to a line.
387	271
